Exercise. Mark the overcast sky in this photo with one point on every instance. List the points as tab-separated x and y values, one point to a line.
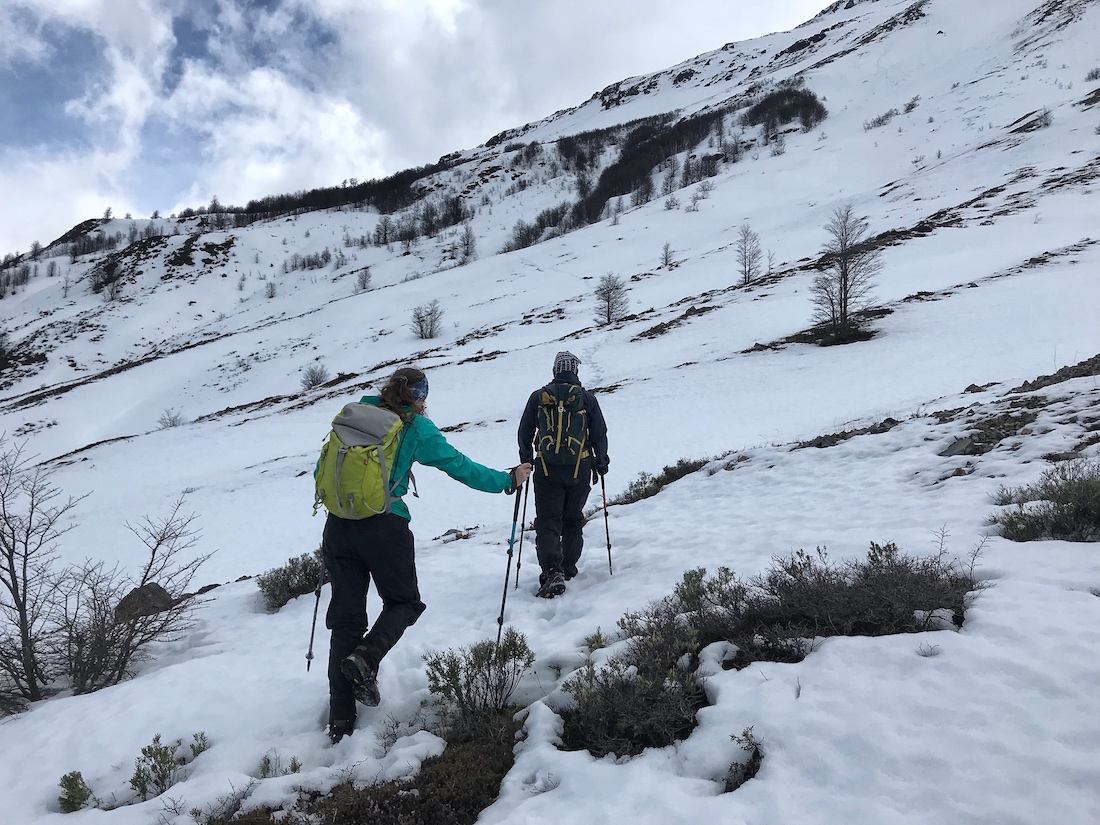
146	105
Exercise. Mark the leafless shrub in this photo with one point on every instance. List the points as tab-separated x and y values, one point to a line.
32	519
105	636
170	418
314	376
427	320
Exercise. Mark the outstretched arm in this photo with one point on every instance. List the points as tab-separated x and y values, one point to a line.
434	450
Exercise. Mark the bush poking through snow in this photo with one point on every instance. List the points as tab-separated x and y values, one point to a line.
645	697
314	376
271	764
75	793
1094	74
170	418
742	772
777	615
159	768
427	320
881	120
454	787
622	708
295	578
648	695
646	485
1064	504
475	683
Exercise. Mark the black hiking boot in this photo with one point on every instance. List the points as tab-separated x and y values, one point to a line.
551	585
363	677
339	728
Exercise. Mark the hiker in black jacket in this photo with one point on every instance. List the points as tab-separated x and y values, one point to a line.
563	434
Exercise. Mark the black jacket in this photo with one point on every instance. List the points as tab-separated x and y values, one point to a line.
597	427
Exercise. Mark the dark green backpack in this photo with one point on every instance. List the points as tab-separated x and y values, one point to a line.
562	426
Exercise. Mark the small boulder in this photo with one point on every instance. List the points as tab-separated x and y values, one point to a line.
147	600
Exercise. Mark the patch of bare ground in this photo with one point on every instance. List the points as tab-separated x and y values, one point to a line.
825	336
1081	369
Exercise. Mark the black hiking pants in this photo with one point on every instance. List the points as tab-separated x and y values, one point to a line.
559	516
380	547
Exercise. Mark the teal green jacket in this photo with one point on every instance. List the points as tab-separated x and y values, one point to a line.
423	443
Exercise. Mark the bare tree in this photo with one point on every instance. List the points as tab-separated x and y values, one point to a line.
31	515
362	280
850	267
666	255
749	254
384	232
611	300
107	630
427	320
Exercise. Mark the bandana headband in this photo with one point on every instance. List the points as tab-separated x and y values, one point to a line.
419	390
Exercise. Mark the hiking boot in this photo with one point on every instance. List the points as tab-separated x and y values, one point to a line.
551	585
339	728
570	573
363	677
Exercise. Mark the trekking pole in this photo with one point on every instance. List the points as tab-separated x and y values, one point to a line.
606	529
522	522
508	570
313	630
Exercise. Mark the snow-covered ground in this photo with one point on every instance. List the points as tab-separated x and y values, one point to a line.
998	727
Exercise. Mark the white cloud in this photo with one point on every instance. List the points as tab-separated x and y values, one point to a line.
344	88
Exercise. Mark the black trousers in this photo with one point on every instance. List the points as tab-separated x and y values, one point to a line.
559	516
380	547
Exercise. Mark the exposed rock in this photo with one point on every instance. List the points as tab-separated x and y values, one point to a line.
147	600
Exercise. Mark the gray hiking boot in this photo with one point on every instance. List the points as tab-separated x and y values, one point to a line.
363	677
551	585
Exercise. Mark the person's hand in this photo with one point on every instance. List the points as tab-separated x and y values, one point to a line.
520	474
595	476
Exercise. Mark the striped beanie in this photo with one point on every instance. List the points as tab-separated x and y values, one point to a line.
566	362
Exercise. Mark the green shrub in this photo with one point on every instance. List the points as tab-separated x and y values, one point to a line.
621	708
1064	504
881	120
777	615
271	764
450	789
476	682
646	485
645	697
648	695
157	769
75	793
742	772
297	577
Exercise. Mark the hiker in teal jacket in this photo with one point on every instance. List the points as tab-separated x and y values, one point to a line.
381	548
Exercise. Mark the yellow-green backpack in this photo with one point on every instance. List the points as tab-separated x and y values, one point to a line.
354	476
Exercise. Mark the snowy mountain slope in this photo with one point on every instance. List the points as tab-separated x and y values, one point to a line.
988	226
